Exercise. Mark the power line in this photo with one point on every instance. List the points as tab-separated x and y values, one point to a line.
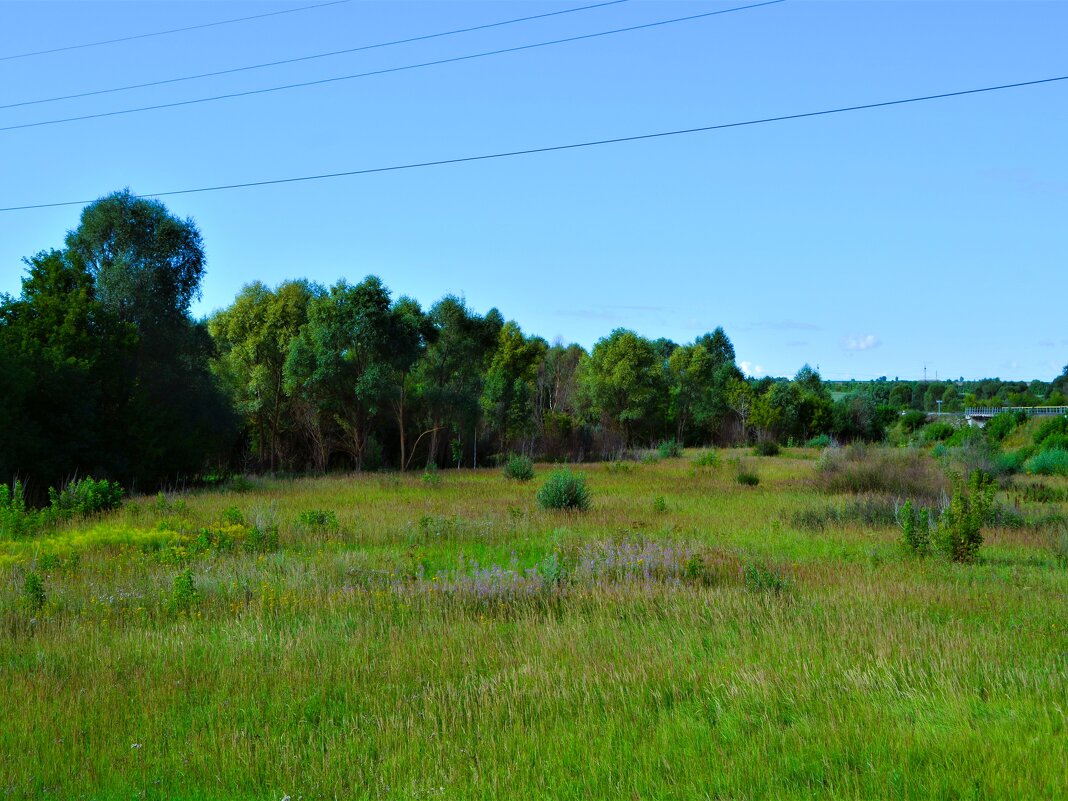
312	57
571	146
388	70
170	31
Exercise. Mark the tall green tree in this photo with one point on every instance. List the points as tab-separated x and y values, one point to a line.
508	394
339	367
410	332
623	382
146	266
450	374
254	336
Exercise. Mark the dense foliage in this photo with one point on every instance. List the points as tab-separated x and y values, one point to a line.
104	371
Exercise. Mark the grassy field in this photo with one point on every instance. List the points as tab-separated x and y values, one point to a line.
688	637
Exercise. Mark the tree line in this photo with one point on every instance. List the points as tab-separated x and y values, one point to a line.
104	371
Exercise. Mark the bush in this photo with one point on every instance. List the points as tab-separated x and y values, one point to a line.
938	432
959	533
318	519
660	504
820	441
706	459
431	475
33	592
232	517
519	468
15	519
1055	442
1049	431
761	578
915	528
564	490
965	435
1048	463
263	536
910	421
747	478
766	447
1000	426
669	449
184	593
1011	462
85	497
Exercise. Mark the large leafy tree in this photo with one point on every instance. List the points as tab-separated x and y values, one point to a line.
450	374
410	331
339	367
63	383
145	266
623	383
508	396
254	336
109	370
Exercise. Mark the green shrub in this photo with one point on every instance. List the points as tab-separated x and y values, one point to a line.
431	475
910	421
1000	426
964	435
184	593
669	449
758	577
1055	442
915	528
233	517
819	441
85	497
747	478
706	459
766	447
1011	461
1048	463
318	519
519	468
1049	431
959	532
33	592
564	490
263	535
938	432
15	519
660	504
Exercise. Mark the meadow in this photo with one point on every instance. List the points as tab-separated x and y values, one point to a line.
382	635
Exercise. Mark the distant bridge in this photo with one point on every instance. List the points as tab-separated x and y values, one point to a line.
979	415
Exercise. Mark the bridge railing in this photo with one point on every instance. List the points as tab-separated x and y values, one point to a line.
1033	411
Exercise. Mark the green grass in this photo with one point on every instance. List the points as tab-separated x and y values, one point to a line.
366	661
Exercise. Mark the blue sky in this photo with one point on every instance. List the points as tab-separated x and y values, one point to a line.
871	243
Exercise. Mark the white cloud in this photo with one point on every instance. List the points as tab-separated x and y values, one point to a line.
750	369
866	342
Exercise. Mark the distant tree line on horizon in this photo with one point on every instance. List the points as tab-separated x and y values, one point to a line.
104	371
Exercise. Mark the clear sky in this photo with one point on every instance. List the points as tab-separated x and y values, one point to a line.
870	243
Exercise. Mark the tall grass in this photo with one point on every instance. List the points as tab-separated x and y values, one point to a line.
458	642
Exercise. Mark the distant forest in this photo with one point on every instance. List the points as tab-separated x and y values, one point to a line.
103	371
